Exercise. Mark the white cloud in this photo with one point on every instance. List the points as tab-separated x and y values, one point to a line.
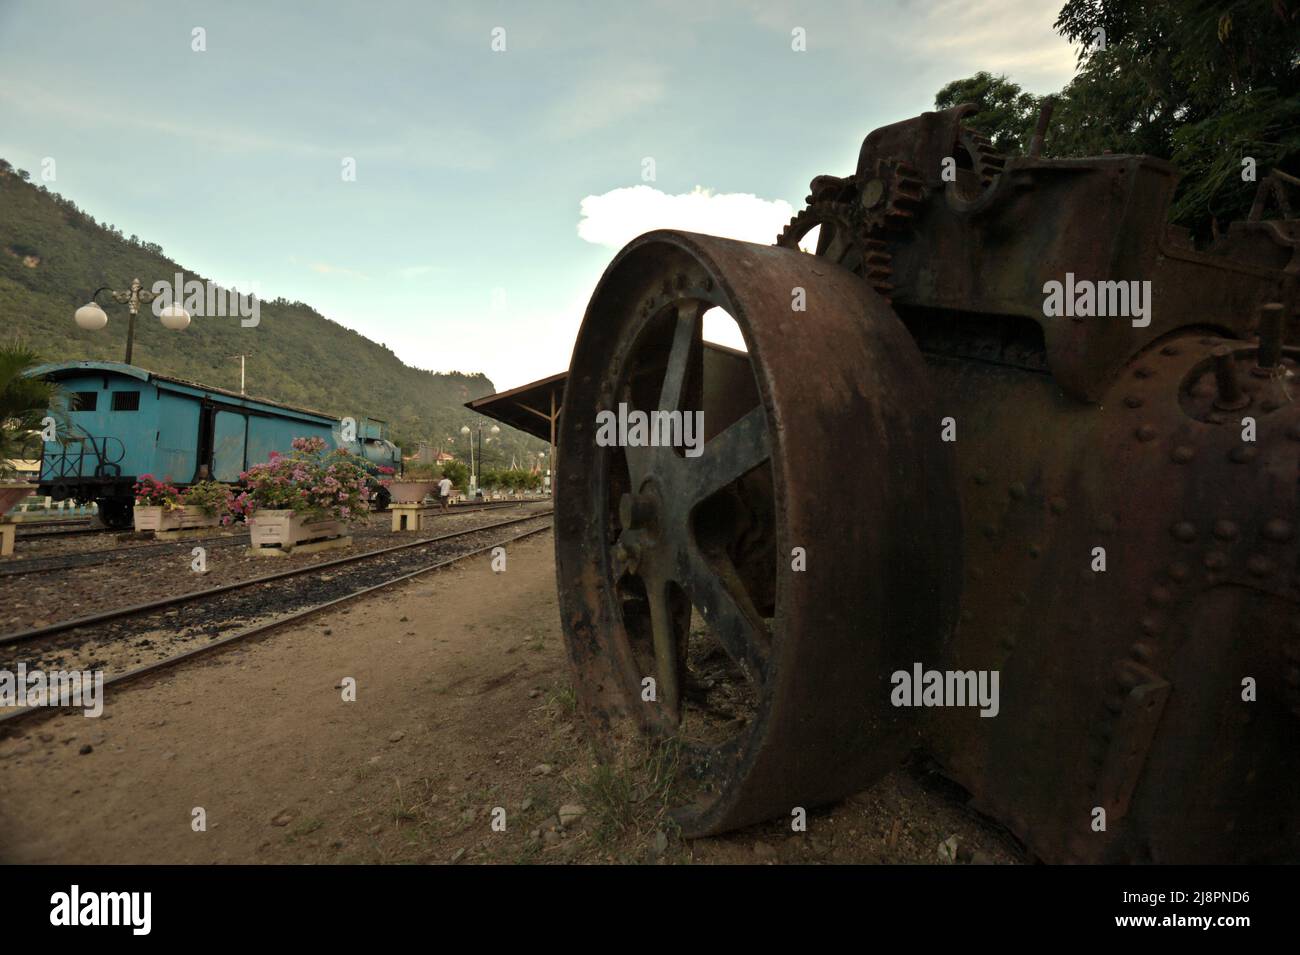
620	215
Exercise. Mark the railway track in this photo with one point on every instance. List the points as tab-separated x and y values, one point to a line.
56	563
35	530
263	603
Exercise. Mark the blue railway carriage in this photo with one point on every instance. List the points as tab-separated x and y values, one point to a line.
127	422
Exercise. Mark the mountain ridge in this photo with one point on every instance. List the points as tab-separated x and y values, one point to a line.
53	255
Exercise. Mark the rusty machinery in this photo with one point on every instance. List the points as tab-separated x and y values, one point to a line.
921	467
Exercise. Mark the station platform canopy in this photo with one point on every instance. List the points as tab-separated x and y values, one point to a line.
534	408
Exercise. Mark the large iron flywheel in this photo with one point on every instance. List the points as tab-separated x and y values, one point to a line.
750	598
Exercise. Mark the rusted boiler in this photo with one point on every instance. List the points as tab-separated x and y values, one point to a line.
1005	424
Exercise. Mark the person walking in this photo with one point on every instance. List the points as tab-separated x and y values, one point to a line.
444	492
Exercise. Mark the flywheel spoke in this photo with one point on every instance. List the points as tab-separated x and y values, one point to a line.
665	644
729	456
716	590
686	342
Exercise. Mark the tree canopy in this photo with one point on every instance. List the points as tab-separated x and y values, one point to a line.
1202	84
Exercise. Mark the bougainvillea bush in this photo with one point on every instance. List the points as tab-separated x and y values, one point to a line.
212	498
150	492
377	475
309	481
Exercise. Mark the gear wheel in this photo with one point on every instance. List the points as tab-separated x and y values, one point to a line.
986	162
860	214
843	240
890	198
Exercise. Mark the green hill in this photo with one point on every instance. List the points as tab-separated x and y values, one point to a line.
53	255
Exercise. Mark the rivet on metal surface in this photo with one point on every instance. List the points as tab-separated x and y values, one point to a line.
1035	550
1160	596
1182	454
1278	530
1133	401
1018	491
1243	454
1169	350
1184	531
1216	560
1226	530
1146	432
1057	504
1260	566
980	477
989	531
1151	625
1142	652
1179	571
1142	372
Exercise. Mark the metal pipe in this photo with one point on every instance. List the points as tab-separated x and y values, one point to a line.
1040	130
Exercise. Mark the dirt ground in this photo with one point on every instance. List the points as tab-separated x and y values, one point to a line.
463	721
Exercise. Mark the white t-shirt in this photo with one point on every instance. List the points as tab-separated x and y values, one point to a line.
444	487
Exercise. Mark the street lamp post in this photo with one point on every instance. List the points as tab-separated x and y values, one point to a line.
91	317
473	473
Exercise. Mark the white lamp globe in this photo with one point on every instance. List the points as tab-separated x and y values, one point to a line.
90	317
496	430
464	429
174	317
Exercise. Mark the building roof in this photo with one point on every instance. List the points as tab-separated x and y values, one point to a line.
64	369
528	407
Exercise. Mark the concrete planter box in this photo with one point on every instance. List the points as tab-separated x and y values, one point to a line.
411	492
287	529
11	492
151	518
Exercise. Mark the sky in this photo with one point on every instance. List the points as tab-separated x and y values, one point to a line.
491	186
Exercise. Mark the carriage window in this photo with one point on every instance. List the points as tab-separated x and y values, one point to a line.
85	400
126	401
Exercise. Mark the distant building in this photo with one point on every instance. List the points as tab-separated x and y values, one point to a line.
428	454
